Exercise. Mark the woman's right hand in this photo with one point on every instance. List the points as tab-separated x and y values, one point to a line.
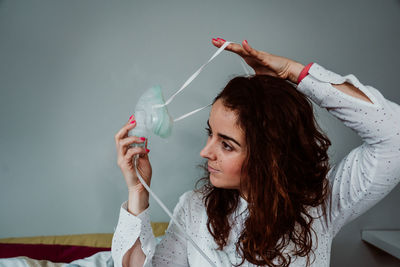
126	158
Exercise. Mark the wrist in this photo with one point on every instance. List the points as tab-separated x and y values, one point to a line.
137	189
304	72
138	202
295	71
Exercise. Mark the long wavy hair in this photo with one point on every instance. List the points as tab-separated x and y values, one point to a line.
283	175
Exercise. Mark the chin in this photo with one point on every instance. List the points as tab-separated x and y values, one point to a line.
215	181
219	183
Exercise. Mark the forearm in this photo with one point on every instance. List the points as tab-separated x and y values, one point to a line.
133	237
138	200
350	89
295	70
135	256
346	87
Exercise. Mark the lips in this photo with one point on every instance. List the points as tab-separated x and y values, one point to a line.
211	169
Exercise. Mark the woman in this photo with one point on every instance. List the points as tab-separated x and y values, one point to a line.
270	197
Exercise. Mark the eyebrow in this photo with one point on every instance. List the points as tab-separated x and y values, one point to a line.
224	136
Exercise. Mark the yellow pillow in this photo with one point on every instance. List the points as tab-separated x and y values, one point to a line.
89	240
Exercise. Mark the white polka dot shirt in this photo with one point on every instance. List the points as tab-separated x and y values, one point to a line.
362	178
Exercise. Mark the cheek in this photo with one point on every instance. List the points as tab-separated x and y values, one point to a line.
230	174
233	167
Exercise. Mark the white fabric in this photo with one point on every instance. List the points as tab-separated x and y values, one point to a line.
362	178
99	259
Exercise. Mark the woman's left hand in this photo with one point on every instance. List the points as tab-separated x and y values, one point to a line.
263	62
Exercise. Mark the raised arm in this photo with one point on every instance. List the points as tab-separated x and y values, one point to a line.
369	172
284	68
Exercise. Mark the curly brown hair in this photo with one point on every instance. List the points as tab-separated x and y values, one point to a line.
283	175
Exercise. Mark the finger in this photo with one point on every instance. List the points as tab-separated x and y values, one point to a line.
233	47
131	140
249	49
123	132
216	42
253	52
125	143
236	48
147	150
132	151
120	136
143	155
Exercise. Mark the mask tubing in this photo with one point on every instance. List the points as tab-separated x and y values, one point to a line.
170	214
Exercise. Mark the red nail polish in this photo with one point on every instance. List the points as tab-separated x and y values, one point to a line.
214	39
142	138
147	150
246	41
222	39
132	122
130	118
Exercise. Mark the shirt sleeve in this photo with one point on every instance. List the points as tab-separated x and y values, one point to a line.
128	230
171	251
370	171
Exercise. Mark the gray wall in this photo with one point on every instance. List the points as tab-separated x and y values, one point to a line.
71	72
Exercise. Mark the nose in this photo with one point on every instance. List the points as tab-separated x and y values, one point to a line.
208	151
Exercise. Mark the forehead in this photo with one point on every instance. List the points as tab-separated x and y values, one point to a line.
223	121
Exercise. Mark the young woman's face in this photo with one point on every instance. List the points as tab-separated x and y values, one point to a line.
225	148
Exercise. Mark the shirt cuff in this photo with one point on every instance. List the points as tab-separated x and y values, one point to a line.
304	72
128	230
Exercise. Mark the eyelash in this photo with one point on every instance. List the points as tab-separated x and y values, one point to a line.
225	145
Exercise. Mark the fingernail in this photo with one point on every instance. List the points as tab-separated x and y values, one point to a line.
214	39
142	138
246	41
132	122
147	150
222	39
130	118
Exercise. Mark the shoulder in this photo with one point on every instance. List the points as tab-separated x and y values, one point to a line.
191	196
192	200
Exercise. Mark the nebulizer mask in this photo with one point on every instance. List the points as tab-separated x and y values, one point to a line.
151	115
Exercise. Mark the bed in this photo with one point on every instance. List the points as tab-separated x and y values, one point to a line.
56	251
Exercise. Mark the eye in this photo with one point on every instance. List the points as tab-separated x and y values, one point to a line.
226	146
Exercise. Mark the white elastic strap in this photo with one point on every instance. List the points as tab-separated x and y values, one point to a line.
190	113
170	214
244	65
242	62
194	75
